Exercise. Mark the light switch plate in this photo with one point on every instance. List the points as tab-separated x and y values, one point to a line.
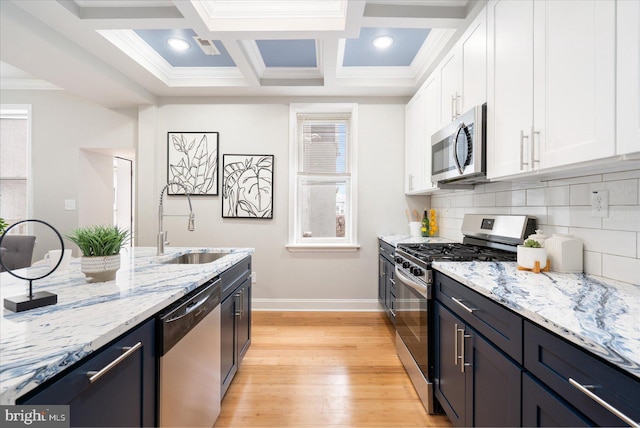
70	204
600	203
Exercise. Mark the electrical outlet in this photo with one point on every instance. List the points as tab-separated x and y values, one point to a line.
253	277
600	203
70	204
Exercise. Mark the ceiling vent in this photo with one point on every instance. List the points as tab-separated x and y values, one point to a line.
207	46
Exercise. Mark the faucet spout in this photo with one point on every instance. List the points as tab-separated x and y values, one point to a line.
161	240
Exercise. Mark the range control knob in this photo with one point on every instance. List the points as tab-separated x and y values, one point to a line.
398	259
416	271
406	265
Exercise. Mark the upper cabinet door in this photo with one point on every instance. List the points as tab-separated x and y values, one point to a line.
450	87
574	72
473	58
509	86
628	77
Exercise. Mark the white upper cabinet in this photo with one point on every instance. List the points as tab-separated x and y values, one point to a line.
628	77
551	84
463	72
421	121
574	81
509	86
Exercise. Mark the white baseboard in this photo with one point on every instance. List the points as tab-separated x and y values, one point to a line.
326	305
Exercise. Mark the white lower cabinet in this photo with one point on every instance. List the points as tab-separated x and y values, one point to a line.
551	84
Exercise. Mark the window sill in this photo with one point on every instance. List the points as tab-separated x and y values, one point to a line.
323	247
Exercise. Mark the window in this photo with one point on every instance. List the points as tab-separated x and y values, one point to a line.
14	165
323	177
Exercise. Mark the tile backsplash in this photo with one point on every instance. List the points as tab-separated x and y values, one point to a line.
611	244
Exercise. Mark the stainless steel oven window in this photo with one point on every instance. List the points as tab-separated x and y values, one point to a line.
412	312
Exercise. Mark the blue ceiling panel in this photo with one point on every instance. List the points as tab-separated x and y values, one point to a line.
192	57
407	42
288	53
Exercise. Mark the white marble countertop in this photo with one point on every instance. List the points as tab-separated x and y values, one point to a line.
37	344
600	315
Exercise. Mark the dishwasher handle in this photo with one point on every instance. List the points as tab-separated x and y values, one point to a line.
192	306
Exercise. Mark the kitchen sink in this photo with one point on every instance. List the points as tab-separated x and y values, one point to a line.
195	258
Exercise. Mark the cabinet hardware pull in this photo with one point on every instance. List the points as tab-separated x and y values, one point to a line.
533	146
238	308
458	98
455	344
95	375
453	111
391	280
465	307
522	138
462	351
609	407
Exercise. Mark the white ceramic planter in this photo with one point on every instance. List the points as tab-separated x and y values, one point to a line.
527	257
100	269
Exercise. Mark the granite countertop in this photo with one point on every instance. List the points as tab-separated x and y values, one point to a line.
37	344
600	315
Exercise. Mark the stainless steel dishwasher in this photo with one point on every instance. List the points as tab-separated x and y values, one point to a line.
189	344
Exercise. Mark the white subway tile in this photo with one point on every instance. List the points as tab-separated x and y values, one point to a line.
488	210
621	192
593	263
623	217
638	243
550	229
527	185
462	201
517	198
621	268
540	213
449	223
548	196
574	216
484	200
614	242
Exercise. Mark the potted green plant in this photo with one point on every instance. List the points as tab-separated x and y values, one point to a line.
3	225
100	247
530	253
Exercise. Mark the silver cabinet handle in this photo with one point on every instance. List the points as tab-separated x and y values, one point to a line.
533	146
462	350
522	138
465	307
95	375
457	104
453	109
455	344
238	307
600	401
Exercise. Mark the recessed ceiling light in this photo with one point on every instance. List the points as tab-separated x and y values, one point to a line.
178	44
382	42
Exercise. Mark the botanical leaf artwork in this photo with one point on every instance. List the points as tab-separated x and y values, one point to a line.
193	161
247	186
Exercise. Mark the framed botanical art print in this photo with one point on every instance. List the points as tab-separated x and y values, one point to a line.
192	160
247	186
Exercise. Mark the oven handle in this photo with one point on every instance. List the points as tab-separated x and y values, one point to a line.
410	283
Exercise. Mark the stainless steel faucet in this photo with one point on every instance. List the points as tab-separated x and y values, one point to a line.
162	234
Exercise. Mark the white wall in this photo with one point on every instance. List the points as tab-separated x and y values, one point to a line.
284	279
62	125
612	244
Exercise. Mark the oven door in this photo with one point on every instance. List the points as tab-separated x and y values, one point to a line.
412	318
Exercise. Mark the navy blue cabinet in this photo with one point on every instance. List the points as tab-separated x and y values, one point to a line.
581	378
114	387
476	384
235	320
387	279
543	408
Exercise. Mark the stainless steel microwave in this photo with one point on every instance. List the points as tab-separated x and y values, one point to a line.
458	150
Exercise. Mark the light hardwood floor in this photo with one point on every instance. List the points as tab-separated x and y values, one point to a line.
323	369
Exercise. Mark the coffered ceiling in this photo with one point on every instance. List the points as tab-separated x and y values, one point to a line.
118	53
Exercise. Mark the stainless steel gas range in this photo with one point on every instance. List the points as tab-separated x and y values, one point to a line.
486	238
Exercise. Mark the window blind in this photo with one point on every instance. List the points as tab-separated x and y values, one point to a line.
324	140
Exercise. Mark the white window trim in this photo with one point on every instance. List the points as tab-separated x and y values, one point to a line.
351	241
22	110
